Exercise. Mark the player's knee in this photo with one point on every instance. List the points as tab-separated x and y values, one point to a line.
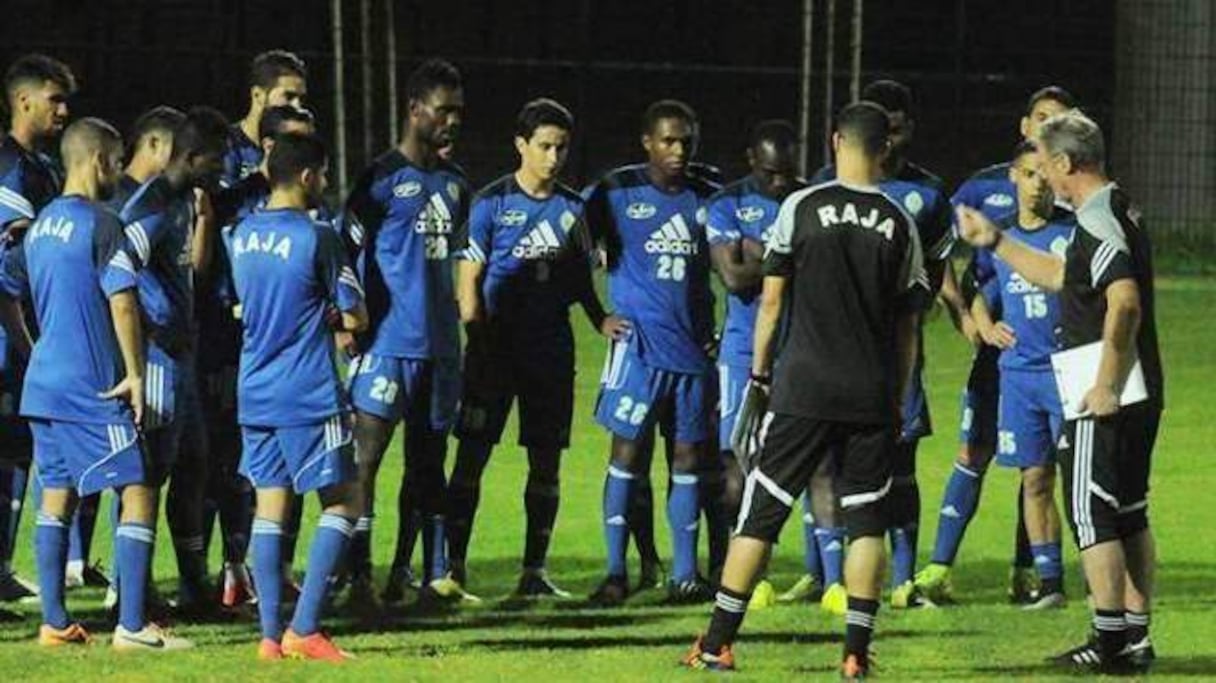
1038	483
975	457
686	457
139	502
343	499
58	503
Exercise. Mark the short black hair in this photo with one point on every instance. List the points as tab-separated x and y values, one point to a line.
38	68
430	76
1054	93
1021	149
203	130
292	154
867	123
268	67
542	112
668	109
163	118
275	118
779	132
890	95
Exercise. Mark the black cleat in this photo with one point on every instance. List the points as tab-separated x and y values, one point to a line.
1088	658
535	584
612	592
691	592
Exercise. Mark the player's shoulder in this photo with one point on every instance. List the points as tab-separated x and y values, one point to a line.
238	140
702	186
496	190
150	198
569	194
1100	215
732	191
11	155
622	178
992	172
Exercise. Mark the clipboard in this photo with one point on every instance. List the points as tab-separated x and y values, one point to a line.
1076	370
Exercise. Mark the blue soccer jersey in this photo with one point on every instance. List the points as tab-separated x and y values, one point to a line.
989	191
71	261
658	265
536	260
401	221
28	182
740	212
242	158
287	268
159	224
1033	313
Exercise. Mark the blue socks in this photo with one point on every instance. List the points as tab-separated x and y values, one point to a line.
831	553
133	555
959	501
903	554
1048	560
267	544
618	487
810	546
683	517
434	547
51	550
328	548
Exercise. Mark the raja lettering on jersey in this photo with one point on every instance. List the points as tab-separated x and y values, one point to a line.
270	244
830	216
52	227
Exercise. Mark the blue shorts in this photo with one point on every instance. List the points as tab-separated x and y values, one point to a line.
87	457
304	458
633	396
423	392
1030	419
980	397
544	387
732	382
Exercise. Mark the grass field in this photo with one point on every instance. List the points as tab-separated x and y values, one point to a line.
981	639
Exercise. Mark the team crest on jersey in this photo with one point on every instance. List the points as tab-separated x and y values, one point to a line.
541	242
999	200
749	214
673	237
512	218
1059	246
407	189
567	221
640	211
454	191
913	202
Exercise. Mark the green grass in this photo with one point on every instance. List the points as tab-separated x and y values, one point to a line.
979	640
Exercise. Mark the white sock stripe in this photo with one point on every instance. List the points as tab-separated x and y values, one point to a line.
685	479
959	467
337	523
136	533
363	524
619	473
50	520
267	528
730	604
1135	619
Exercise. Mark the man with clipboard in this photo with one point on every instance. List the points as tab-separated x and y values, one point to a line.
1105	283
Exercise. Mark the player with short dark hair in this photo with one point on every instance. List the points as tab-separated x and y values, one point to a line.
288	270
1105	281
527	259
992	192
741	216
650	219
84	386
171	244
276	78
400	221
843	265
36	90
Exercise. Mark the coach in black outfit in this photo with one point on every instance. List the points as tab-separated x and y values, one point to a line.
1106	295
851	262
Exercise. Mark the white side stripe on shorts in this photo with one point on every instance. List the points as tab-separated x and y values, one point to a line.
771	486
1082	472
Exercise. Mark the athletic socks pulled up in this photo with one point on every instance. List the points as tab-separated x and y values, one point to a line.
51	551
1110	627
329	546
540	504
831	553
683	517
618	491
729	609
133	545
859	627
1048	561
267	544
959	503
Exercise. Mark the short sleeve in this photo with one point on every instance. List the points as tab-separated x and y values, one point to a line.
778	248
1109	258
600	223
361	216
14	278
113	255
14	206
342	287
475	241
722	226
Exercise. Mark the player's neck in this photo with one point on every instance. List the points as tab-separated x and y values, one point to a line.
83	185
664	181
1086	185
858	172
250	124
26	136
289	197
140	171
1030	220
533	186
418	151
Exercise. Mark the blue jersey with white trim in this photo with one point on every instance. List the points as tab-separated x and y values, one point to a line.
658	264
740	211
287	269
72	259
535	252
989	191
159	223
1033	313
242	158
400	223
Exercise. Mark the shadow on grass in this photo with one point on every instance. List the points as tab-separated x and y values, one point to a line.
1202	666
607	641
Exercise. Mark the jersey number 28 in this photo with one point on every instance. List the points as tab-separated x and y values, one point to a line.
671	267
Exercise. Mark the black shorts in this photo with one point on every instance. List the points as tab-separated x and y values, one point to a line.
794	448
1106	465
217	387
544	386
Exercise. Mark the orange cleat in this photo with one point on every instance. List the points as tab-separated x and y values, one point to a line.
72	634
269	650
313	646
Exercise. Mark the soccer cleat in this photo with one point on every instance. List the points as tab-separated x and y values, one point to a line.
446	589
908	596
73	574
72	634
835	600
314	646
95	577
237	585
535	584
1023	582
611	592
269	650
807	588
13	588
400	579
698	658
854	668
934	583
1088	658
763	595
151	638
1047	601
694	591
1141	653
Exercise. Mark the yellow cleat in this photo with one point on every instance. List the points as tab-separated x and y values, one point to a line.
934	583
835	600
908	596
763	596
807	589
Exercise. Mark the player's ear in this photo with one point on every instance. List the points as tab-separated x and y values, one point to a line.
520	144
1024	127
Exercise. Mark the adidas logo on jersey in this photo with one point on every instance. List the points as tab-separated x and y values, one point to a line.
673	237
435	218
540	243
